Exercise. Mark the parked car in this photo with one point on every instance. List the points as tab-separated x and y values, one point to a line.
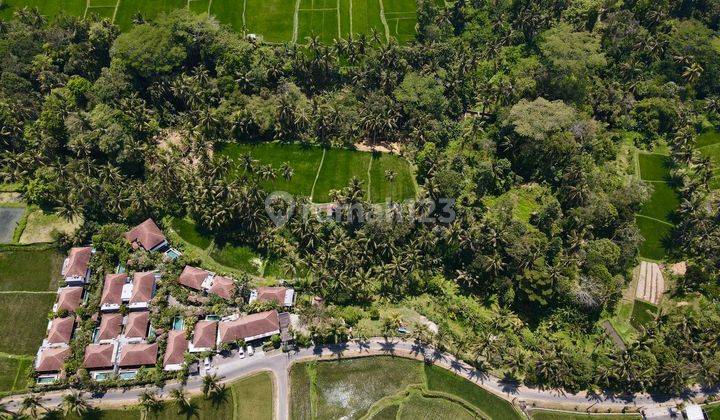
241	353
402	330
250	350
207	363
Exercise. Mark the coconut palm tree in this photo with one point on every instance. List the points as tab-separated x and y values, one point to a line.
31	404
75	403
210	382
185	405
149	402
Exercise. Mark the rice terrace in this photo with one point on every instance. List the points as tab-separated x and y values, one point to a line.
273	20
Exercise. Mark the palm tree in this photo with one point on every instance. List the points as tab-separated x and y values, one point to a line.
185	405
391	322
75	403
287	171
149	402
31	404
210	382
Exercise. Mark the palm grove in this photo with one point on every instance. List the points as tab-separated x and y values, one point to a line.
492	95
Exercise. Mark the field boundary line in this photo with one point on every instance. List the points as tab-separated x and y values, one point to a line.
87	6
317	175
351	19
209	6
16	356
338	20
17	375
244	23
117	6
370	178
296	24
384	21
27	292
652	218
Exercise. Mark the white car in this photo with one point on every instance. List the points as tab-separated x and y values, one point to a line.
207	363
250	350
241	353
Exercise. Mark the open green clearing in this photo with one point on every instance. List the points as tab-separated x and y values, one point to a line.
222	257
713	411
29	269
655	217
708	143
387	387
274	20
333	171
14	373
643	314
24	323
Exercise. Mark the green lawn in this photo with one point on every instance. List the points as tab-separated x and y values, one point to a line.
238	257
563	415
524	199
272	19
338	167
655	234
300	404
662	204
643	314
148	9
49	8
654	167
713	411
388	413
190	233
25	321
707	137
13	373
417	407
29	269
439	379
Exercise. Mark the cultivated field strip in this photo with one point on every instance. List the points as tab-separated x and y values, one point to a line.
274	20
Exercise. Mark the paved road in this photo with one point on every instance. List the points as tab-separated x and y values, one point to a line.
233	368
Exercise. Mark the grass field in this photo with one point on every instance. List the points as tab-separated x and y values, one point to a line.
14	373
564	415
29	270
247	399
25	321
708	143
333	171
274	20
655	219
713	411
439	379
387	388
40	226
643	314
418	407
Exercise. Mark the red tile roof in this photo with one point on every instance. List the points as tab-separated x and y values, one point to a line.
193	277
52	359
143	284
61	330
110	326
138	354
69	298
112	290
205	334
99	356
78	260
177	345
266	294
147	234
250	326
223	287
137	324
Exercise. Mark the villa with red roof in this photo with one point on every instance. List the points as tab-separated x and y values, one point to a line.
110	327
75	268
248	328
177	345
147	235
100	359
284	296
49	362
203	280
204	336
136	326
69	299
111	298
142	289
137	354
59	332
